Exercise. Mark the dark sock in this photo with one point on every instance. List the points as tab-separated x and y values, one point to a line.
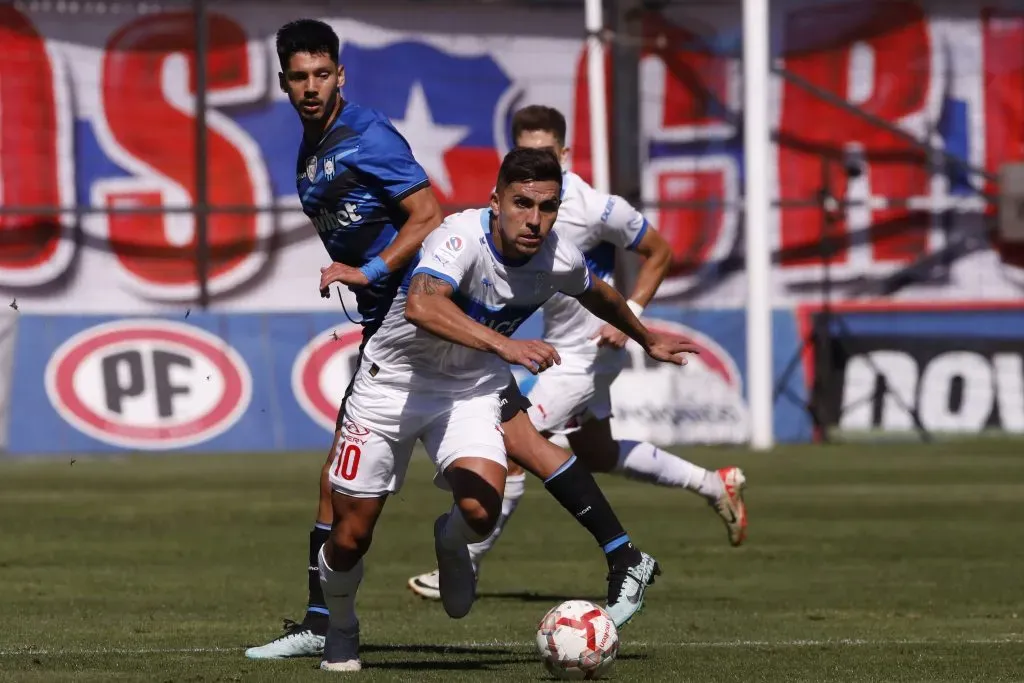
573	486
316	610
621	554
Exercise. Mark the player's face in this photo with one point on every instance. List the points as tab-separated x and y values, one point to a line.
311	82
526	213
542	139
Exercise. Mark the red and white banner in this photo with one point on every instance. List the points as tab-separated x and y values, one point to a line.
98	110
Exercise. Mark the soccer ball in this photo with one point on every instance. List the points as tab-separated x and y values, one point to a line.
577	640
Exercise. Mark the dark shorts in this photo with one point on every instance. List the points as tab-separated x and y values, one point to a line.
512	401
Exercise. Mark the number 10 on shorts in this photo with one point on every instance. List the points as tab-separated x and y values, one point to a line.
346	463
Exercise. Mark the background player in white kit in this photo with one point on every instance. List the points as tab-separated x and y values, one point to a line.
574	398
481	275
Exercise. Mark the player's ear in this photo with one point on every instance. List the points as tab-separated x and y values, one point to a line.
281	82
341	75
563	158
495	203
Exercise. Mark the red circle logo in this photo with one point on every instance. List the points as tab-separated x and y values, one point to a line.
148	384
322	371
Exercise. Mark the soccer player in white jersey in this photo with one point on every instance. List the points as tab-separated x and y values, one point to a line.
434	372
573	399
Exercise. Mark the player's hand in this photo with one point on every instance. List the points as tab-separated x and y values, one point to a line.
536	356
339	272
670	348
611	336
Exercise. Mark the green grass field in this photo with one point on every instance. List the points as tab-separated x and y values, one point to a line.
864	563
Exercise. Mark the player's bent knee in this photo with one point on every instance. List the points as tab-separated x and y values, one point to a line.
345	550
478	485
352	532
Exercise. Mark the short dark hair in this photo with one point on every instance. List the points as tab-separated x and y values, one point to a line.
526	164
306	35
539	117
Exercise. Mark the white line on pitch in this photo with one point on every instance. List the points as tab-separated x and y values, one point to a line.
115	651
697	644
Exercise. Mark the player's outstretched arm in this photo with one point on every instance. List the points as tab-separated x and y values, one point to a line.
606	303
429	306
425	214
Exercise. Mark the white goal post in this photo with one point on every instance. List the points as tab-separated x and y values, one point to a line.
757	214
757	220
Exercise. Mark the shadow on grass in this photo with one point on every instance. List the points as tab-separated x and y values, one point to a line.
530	596
495	650
451	657
480	658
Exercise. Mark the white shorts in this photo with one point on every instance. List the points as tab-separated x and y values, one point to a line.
562	400
382	424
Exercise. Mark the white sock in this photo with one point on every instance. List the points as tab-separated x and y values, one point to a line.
340	593
647	462
514	488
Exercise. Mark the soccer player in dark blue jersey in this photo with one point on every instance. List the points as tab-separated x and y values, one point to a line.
372	206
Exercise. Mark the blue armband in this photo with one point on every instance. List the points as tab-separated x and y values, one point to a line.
375	270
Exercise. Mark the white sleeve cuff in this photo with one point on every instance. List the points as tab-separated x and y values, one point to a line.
635	307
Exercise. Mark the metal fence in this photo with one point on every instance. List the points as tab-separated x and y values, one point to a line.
692	61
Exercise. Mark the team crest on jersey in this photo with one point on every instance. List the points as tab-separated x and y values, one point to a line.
311	169
328	169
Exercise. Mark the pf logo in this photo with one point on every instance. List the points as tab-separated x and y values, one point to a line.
322	371
148	384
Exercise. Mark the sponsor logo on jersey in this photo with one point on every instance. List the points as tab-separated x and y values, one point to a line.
355	428
321	374
326	221
447	252
148	384
503	327
311	169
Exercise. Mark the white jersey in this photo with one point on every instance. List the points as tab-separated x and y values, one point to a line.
499	294
597	224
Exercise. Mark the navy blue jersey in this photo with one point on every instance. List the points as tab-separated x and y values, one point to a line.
351	185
